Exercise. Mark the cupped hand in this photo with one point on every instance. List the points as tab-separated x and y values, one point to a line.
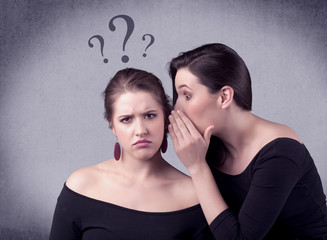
191	147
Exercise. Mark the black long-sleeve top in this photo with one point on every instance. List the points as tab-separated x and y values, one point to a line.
79	217
278	196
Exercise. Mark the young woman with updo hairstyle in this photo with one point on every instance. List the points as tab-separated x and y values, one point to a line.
254	178
136	194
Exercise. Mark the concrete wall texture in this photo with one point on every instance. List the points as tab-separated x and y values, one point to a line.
51	109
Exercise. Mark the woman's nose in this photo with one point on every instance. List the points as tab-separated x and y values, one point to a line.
177	105
141	128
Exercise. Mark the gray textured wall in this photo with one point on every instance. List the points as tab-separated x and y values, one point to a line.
51	110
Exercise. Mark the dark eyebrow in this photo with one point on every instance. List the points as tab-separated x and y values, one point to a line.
124	116
130	115
183	85
150	111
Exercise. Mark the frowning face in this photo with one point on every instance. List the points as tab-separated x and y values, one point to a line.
138	123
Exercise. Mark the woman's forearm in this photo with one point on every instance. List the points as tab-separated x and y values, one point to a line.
209	196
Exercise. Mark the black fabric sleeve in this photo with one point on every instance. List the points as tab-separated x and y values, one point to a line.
65	221
225	225
273	180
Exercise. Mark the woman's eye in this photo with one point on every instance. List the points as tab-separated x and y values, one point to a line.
125	120
187	96
150	115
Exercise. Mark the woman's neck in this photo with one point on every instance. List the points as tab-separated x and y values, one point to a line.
139	170
239	132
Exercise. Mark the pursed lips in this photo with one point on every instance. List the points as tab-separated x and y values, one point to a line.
142	143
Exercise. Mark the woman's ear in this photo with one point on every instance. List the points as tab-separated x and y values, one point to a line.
114	131
226	96
112	128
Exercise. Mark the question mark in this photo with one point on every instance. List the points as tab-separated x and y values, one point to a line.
130	28
100	38
151	42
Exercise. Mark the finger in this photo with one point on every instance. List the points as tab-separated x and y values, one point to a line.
173	135
171	119
207	134
175	128
181	125
188	123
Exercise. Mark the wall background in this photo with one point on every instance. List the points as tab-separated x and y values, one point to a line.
51	110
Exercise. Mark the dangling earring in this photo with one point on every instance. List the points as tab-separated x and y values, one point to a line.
164	145
117	150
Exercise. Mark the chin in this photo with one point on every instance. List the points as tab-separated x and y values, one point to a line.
145	154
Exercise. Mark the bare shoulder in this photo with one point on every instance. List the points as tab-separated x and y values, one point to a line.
84	178
277	130
183	188
175	175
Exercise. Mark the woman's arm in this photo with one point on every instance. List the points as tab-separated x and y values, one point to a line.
270	187
191	149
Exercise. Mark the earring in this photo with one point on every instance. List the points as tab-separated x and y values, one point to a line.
164	145
117	150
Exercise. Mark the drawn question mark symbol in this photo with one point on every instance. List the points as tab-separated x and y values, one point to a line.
151	42
130	28
100	38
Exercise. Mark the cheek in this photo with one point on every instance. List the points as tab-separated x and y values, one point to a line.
123	135
197	117
160	126
158	129
194	110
